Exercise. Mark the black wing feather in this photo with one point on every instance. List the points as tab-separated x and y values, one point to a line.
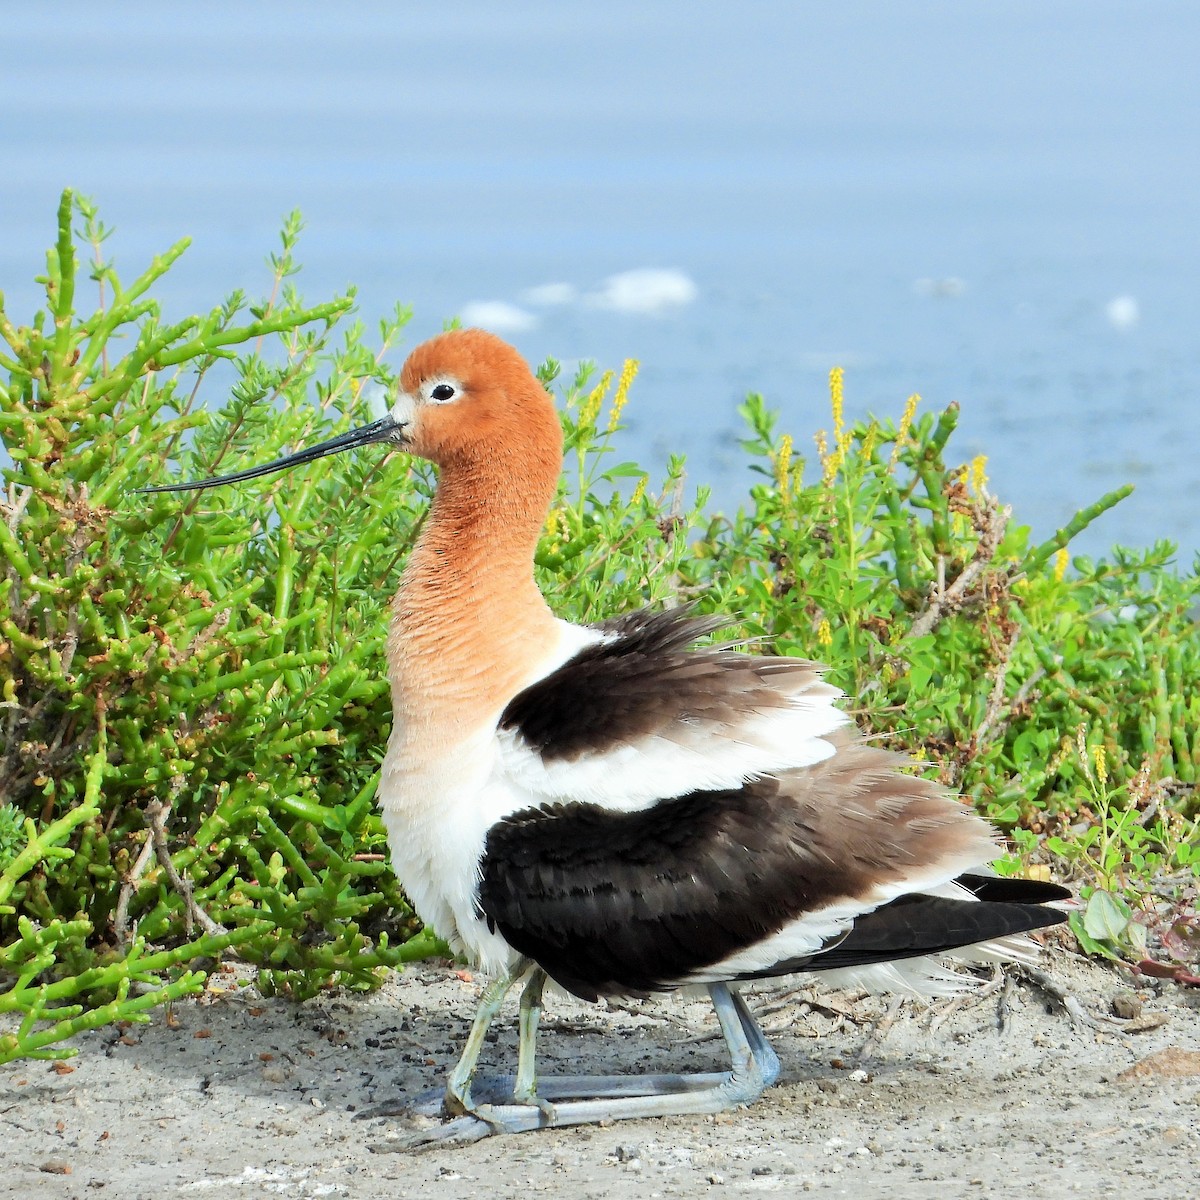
632	903
629	903
915	925
1008	890
645	675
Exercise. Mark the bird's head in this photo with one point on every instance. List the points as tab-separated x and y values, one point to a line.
465	397
467	394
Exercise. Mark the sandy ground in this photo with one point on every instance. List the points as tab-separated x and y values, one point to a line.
236	1096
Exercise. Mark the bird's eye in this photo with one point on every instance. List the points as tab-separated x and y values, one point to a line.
442	392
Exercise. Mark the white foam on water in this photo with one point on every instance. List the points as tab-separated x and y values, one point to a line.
1122	313
498	316
648	291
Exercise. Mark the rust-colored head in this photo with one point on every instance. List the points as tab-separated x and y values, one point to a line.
467	396
468	402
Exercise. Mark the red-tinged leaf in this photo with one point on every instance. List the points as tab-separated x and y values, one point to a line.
1155	970
1182	940
1166	971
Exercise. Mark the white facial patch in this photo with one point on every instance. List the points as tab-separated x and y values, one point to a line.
403	409
441	389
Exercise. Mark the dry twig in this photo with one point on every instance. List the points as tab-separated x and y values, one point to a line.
947	599
882	1028
155	817
942	1013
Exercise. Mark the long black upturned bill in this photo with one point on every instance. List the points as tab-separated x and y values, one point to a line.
384	430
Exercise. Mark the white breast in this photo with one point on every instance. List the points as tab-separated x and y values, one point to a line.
439	797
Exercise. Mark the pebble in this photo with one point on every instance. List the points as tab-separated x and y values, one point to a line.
1127	1005
1173	1062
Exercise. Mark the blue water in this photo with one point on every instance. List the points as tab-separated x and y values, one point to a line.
996	204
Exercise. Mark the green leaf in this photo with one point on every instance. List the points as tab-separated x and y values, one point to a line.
1106	916
1087	942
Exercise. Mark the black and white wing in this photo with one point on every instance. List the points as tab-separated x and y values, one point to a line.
701	814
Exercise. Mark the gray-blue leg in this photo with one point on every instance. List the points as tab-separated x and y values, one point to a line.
765	1058
525	1089
507	1105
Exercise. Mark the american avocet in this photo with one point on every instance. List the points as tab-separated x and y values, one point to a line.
619	810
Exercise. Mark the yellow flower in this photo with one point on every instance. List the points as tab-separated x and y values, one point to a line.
1060	563
1101	760
595	398
783	462
868	446
828	465
638	492
978	477
841	435
628	374
558	525
824	633
910	411
837	401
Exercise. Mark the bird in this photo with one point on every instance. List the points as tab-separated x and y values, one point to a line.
630	807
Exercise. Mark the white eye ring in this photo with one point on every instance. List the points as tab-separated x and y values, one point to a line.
442	393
